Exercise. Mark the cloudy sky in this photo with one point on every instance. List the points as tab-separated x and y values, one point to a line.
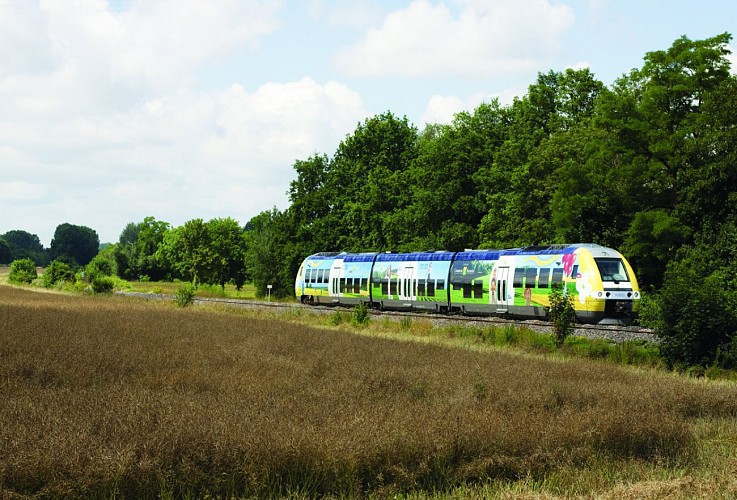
114	110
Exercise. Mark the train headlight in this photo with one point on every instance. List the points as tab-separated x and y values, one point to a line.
600	294
608	294
637	295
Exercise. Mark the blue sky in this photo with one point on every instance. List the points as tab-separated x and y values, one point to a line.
111	111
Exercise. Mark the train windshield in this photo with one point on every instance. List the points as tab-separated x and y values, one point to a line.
612	270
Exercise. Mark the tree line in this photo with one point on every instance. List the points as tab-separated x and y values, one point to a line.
646	166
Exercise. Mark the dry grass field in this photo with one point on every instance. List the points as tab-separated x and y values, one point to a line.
107	396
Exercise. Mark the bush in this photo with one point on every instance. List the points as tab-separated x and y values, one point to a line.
361	314
103	284
57	272
184	295
22	271
561	313
102	265
697	320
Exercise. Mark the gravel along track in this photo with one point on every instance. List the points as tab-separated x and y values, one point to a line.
612	332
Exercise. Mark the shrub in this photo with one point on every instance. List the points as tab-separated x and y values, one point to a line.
697	318
336	318
57	272
22	271
184	295
101	265
103	284
561	313
361	314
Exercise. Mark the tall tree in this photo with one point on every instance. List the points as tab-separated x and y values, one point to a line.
79	243
227	253
186	249
654	123
519	185
6	256
367	180
445	207
24	245
271	258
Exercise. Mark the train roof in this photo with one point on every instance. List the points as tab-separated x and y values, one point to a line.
466	255
415	256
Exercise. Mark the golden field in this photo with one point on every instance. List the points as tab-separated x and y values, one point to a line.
107	396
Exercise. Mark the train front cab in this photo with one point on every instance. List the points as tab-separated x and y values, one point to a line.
608	291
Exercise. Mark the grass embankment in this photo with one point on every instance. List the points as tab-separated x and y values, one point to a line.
107	396
248	291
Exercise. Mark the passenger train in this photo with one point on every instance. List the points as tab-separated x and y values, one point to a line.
514	283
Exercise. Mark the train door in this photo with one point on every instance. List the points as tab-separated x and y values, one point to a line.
335	277
407	283
503	289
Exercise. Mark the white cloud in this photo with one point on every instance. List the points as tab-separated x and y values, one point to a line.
70	57
441	109
356	14
282	121
106	111
22	191
483	39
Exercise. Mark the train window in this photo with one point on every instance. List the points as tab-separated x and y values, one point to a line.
467	290
530	276
478	290
322	276
356	286
440	285
431	288
574	272
544	279
342	285
519	274
611	270
364	284
557	275
421	287
384	287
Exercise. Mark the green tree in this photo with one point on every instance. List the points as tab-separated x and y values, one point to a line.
186	249
519	186
24	245
227	251
271	259
655	121
445	207
80	243
136	253
367	181
6	255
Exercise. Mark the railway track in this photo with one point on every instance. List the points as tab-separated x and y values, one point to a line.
614	333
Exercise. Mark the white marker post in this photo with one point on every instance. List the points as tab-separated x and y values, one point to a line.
268	290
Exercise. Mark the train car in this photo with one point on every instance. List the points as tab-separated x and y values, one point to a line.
405	281
513	282
334	278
